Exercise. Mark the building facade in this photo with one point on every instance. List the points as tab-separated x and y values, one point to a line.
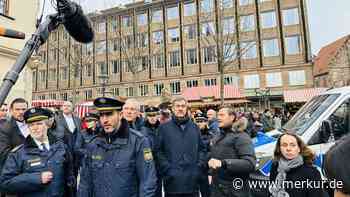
332	64
146	47
21	16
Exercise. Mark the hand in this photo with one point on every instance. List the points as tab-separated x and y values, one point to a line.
46	177
214	163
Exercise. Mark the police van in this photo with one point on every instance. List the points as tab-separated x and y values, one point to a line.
320	123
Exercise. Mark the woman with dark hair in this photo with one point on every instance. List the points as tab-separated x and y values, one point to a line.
291	167
336	166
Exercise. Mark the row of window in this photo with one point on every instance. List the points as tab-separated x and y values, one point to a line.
290	16
251	81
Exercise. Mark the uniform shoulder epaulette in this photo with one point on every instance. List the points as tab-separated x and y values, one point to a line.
15	149
137	133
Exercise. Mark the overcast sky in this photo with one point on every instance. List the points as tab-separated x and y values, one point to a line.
328	20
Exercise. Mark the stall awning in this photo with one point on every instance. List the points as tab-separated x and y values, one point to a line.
47	103
198	93
301	95
84	107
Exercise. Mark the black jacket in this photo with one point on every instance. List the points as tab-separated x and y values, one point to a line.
181	155
10	137
236	152
63	130
301	173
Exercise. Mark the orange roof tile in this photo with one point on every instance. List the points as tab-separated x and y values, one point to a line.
326	54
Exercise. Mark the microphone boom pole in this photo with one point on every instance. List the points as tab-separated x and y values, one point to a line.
38	38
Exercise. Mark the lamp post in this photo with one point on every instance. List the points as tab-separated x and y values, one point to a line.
263	95
103	80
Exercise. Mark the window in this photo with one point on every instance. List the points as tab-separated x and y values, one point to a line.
174	58
230	52
175	87
158	89
191	55
158	61
34	76
4	7
172	13
52	96
142	19
158	37
251	81
129	91
245	2
271	48
100	47
143	63
231	80
103	68
114	45
115	91
247	23
52	74
88	70
42	75
128	42
115	66
292	45
142	39
228	26
268	19
76	69
64	96
192	83
173	35
297	77
64	73
207	5
101	27
226	4
88	49
261	1
209	54
290	16
208	29
248	50
210	82
127	65
127	21
190	31
189	9
113	24
88	94
157	16
273	79
143	90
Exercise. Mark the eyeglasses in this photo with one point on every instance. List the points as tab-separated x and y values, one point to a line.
201	121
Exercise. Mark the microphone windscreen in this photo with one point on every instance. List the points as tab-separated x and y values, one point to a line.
79	26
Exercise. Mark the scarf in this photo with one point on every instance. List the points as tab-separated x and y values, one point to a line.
284	166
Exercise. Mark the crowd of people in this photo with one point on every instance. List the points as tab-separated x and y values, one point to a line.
168	151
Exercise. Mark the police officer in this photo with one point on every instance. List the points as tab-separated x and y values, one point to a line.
206	135
232	157
42	165
119	160
150	130
89	131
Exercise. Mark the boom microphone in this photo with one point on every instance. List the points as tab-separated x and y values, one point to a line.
75	22
11	33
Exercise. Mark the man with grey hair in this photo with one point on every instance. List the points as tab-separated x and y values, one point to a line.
213	121
181	153
131	112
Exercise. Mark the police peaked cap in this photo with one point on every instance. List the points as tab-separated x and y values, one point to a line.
104	104
36	114
200	116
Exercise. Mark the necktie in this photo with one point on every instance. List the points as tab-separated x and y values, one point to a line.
44	147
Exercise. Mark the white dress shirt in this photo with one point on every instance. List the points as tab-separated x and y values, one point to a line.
40	144
23	127
70	122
